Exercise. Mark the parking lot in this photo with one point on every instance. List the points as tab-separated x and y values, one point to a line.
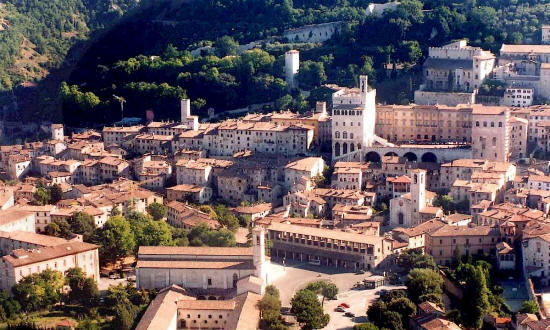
296	276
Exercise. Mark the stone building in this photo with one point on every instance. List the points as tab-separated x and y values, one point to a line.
20	263
174	308
517	96
331	248
17	220
424	123
353	118
457	67
415	207
518	137
444	243
205	270
490	133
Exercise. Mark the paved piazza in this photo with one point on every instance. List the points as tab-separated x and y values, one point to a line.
296	276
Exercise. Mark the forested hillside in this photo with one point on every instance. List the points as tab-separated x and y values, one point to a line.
35	35
145	58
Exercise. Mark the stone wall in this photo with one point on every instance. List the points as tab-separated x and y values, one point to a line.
422	97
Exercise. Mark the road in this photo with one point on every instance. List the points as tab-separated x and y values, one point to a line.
358	300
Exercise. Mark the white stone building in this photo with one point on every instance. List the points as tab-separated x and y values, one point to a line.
413	208
205	269
353	118
518	97
21	263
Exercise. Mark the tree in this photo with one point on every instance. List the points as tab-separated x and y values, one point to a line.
376	311
424	283
56	194
283	102
156	233
59	228
270	311
404	307
9	307
41	196
157	211
125	303
272	290
83	289
392	320
365	326
226	218
39	290
529	306
83	224
475	302
445	202
226	45
327	289
116	239
410	259
124	316
311	74
308	310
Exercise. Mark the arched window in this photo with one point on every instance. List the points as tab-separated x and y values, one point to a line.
351	135
337	135
337	149
344	148
345	135
401	218
351	147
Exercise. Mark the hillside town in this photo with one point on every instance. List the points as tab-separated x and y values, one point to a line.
351	215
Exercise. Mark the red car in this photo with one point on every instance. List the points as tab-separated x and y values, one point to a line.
344	305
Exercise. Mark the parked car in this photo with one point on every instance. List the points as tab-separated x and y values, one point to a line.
114	276
360	272
349	314
345	305
340	309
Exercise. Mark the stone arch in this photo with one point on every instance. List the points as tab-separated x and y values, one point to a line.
337	149
212	298
201	298
429	157
344	148
411	156
391	153
373	156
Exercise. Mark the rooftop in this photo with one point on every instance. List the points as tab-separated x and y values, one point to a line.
22	257
194	251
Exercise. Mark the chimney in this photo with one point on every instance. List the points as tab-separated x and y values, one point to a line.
185	109
321	107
